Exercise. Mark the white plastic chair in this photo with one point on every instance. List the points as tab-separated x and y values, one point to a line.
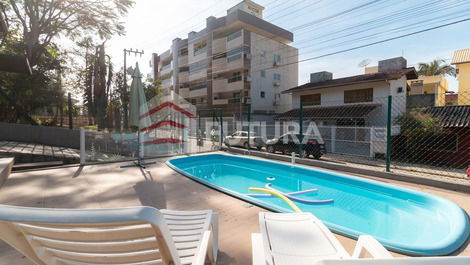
139	235
401	261
301	238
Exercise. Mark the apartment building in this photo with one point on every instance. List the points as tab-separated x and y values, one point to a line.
236	60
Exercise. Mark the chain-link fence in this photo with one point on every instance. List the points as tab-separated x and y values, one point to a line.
427	134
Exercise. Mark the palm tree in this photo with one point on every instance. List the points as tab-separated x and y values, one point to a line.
436	67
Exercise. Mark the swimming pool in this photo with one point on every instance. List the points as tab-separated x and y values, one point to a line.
403	220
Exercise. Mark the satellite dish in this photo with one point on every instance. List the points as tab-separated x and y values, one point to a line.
364	63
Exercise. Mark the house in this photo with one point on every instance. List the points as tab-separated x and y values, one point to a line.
452	146
359	100
461	60
435	87
351	112
236	60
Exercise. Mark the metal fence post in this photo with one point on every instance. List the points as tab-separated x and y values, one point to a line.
249	120
82	146
70	111
389	134
221	129
301	137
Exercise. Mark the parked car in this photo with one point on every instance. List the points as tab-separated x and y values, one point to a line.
289	142
240	138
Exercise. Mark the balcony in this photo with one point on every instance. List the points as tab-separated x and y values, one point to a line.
235	42
183	60
219	64
202	92
167	83
236	64
184	92
166	69
166	56
219	45
223	86
220	102
197	75
183	77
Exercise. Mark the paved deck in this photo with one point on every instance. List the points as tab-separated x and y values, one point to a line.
108	185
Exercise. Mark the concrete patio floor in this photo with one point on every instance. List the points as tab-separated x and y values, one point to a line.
108	185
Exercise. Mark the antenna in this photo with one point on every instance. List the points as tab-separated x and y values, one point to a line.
365	62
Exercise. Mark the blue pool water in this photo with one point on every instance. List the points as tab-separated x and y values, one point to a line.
403	220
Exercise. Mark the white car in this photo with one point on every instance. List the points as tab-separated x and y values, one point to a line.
240	138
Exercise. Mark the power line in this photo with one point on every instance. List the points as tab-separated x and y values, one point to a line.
357	47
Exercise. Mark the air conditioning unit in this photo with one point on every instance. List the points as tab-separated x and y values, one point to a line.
248	78
248	56
276	64
277	83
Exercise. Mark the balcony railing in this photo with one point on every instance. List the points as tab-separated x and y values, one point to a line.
220	101
200	51
234	100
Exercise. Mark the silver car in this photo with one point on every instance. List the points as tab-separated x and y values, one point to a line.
240	139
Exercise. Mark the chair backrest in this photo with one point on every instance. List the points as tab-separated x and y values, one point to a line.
97	236
400	261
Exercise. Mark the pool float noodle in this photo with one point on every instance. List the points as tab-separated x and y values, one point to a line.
278	194
288	193
268	186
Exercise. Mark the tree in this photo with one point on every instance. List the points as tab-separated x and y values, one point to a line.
123	95
420	130
102	76
436	67
152	88
41	21
41	91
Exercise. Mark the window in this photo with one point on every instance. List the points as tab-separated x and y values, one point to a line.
184	69
263	73
234	35
234	57
277	58
200	47
237	76
183	51
197	85
277	77
236	53
198	67
311	100
359	95
262	94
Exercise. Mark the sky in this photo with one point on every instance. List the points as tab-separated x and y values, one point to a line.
320	27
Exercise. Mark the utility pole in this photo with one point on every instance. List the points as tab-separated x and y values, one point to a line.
126	106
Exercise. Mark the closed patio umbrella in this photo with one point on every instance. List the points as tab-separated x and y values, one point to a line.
138	102
138	107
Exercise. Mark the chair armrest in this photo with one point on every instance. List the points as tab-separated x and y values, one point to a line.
367	243
257	249
203	250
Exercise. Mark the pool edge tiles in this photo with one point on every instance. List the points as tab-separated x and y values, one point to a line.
458	225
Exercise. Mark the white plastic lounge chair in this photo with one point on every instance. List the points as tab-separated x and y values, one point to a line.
300	238
140	235
400	261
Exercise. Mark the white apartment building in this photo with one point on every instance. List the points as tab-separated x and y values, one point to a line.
237	59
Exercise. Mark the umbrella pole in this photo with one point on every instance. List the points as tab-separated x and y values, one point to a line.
140	161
